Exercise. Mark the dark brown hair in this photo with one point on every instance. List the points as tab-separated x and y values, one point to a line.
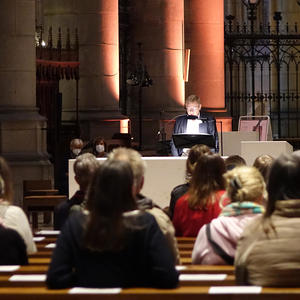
110	195
207	179
233	161
263	163
283	184
6	191
194	154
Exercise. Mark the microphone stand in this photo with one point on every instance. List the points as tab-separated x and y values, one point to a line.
257	126
221	123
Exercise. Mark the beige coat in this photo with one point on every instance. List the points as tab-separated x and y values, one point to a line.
167	228
273	259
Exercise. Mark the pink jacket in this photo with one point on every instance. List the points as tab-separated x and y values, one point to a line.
225	231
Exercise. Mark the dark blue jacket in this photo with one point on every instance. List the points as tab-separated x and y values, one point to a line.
145	259
181	124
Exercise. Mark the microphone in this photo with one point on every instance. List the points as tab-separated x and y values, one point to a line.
257	125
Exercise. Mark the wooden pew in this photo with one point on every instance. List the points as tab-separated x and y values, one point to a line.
181	293
39	260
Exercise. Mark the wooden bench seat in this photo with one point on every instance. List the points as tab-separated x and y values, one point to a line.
39	260
181	293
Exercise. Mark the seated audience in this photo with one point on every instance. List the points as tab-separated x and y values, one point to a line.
178	191
96	146
233	161
111	244
13	216
13	248
201	203
84	168
216	242
268	252
138	167
263	163
75	147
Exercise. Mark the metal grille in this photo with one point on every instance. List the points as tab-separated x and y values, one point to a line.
262	73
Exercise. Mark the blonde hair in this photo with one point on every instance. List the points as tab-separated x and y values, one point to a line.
76	142
245	184
134	158
192	99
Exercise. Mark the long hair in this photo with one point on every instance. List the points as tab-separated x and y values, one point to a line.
6	187
284	180
110	195
283	184
206	180
263	163
194	154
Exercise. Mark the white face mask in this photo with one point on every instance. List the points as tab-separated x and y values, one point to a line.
99	148
76	151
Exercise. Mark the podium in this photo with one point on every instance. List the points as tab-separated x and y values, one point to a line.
184	140
252	149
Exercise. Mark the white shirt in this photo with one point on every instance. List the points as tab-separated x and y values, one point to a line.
192	126
15	218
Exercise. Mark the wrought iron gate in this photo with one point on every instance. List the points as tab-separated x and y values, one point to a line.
262	73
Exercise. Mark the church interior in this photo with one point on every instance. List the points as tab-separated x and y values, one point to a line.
122	70
118	73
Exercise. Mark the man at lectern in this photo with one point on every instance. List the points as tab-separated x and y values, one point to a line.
194	122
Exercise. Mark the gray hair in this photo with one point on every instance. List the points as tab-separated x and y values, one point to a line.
135	160
84	168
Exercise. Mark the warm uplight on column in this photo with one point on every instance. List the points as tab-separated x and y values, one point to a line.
110	46
206	77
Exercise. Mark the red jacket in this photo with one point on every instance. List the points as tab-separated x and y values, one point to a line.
187	222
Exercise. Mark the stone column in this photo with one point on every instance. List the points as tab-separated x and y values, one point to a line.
99	65
97	23
159	26
22	134
206	41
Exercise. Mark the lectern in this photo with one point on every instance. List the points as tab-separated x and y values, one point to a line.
184	140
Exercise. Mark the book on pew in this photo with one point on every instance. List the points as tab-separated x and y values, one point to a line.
79	290
29	277
235	290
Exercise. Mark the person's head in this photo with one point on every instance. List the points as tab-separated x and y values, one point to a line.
233	161
263	163
136	162
206	180
6	186
84	168
245	184
109	196
192	105
194	154
284	180
100	146
75	146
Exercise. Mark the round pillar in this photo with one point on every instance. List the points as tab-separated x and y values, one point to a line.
159	26
17	54
206	37
22	138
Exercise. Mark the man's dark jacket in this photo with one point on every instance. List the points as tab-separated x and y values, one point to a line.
181	124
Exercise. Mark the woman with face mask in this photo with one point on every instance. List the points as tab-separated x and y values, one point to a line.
99	147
